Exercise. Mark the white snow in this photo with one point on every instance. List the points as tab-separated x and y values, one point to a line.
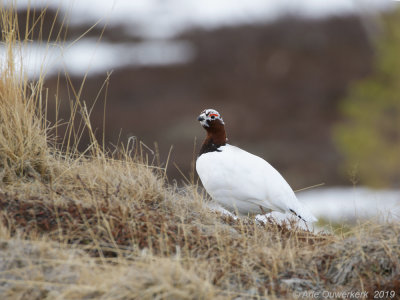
156	21
165	18
344	204
90	56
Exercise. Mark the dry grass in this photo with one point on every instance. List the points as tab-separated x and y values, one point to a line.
109	226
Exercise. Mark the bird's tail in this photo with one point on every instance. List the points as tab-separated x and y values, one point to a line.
307	217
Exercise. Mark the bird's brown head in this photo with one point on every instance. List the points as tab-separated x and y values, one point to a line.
212	122
210	118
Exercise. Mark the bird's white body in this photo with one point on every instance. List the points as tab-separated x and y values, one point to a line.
245	183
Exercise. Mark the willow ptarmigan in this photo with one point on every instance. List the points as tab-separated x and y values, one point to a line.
240	181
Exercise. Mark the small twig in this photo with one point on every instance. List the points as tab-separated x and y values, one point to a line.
180	171
310	187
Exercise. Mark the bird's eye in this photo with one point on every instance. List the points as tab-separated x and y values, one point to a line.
213	116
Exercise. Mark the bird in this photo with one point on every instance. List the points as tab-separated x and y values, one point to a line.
241	182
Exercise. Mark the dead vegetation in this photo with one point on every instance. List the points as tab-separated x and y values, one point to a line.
107	225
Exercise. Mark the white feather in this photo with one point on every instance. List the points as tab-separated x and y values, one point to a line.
242	182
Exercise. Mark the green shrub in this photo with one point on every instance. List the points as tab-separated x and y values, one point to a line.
369	137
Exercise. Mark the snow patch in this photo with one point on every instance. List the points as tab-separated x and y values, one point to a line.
341	204
166	18
346	204
90	56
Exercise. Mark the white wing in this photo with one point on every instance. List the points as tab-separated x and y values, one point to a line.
245	182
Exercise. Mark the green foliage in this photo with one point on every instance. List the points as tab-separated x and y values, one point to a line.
369	138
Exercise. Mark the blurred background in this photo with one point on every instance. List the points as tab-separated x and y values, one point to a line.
311	86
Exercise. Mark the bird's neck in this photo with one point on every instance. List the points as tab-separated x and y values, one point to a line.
216	137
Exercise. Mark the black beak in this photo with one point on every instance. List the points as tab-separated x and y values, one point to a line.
200	118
